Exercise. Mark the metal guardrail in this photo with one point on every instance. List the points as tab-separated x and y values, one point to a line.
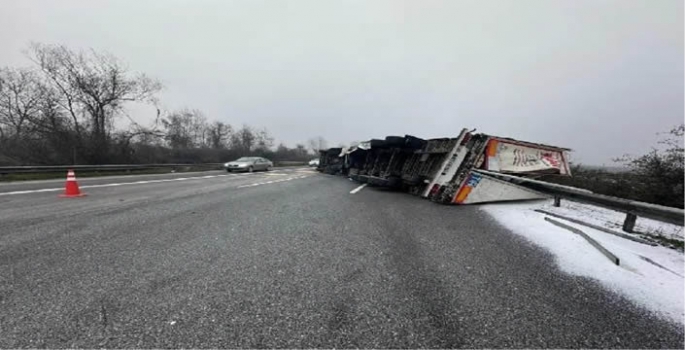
631	208
62	168
24	169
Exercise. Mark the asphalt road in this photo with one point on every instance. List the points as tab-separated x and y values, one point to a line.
289	259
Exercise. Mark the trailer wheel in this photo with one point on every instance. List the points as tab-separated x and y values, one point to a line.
395	141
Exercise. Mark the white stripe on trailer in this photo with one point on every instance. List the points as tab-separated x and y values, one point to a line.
450	165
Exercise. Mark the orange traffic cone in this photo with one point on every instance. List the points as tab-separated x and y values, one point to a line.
71	187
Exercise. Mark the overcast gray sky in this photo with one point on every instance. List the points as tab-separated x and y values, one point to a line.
601	77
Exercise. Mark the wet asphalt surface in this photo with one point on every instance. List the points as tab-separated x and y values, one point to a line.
302	263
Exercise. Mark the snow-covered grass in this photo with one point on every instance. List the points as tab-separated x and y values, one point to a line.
614	219
648	285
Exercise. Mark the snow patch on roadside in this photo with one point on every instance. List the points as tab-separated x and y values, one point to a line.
644	283
613	219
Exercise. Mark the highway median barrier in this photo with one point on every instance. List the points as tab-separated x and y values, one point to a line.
48	172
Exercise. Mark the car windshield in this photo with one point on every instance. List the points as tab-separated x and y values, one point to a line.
246	159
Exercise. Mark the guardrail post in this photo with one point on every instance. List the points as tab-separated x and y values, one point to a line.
557	201
629	224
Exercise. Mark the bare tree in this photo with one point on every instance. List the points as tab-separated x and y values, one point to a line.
243	139
219	134
318	143
663	169
93	89
64	111
264	140
20	99
199	128
300	151
184	129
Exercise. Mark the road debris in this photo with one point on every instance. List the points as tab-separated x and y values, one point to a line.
597	227
613	258
659	288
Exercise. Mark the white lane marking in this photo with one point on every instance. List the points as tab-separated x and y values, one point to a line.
242	174
250	185
358	189
33	191
48	190
272	182
118	184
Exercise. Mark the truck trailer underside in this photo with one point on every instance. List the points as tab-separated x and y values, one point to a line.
445	170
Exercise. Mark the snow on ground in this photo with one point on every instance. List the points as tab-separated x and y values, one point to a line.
644	283
613	219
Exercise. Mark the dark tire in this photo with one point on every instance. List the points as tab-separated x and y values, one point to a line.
414	142
376	143
394	141
228	170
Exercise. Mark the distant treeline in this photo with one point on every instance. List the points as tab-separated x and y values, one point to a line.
656	177
63	109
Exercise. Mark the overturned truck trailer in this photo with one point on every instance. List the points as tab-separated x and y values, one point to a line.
380	162
330	161
459	181
445	170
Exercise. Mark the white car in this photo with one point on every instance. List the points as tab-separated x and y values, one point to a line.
314	162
